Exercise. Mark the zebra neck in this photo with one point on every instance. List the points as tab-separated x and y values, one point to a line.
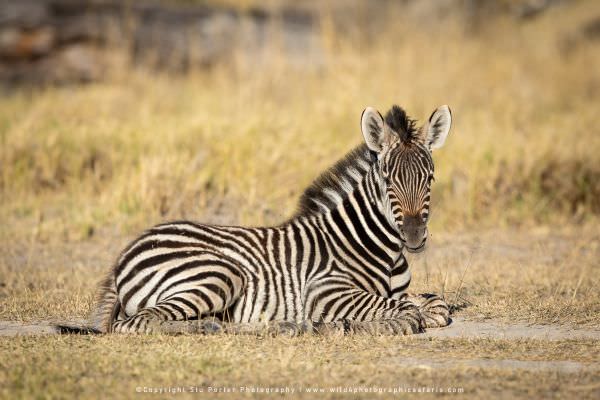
359	225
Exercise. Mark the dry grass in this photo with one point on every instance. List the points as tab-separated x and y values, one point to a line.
92	366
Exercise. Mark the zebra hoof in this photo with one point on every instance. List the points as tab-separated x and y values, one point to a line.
436	319
435	311
414	321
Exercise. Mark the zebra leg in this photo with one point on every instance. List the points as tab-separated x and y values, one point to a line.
353	310
180	311
204	286
167	327
398	326
209	326
433	308
164	317
383	327
270	328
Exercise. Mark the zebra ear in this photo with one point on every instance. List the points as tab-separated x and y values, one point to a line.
438	127
371	124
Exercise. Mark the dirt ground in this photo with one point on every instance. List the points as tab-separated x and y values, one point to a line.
525	323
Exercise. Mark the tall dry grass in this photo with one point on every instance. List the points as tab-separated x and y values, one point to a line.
238	143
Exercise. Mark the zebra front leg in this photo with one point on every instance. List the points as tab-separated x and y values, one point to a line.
397	326
269	328
433	308
385	327
353	310
209	326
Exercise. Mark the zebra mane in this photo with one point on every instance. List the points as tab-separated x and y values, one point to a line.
401	124
333	185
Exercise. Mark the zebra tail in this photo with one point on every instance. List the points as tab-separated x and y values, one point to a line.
107	305
64	329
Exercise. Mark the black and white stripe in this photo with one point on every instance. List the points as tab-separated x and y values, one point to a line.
338	261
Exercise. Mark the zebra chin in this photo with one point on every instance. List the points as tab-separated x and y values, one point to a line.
417	249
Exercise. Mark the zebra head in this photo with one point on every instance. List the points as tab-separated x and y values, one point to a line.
404	167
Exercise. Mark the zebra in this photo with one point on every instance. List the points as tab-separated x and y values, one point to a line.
337	265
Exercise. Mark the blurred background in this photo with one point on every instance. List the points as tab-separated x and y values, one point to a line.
115	115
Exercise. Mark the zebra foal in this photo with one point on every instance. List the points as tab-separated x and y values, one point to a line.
335	266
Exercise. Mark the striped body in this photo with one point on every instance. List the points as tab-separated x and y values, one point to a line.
338	260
